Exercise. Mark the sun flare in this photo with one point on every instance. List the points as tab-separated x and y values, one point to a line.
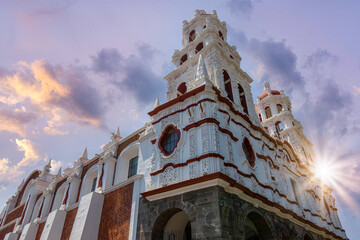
324	171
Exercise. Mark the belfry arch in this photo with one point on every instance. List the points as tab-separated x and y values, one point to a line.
172	224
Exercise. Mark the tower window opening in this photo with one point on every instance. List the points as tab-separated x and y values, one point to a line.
243	99
268	112
199	47
221	35
227	83
204	26
279	107
279	126
183	59
260	117
133	164
93	186
249	152
192	36
181	89
231	57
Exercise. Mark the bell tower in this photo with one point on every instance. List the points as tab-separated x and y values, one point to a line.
274	111
205	35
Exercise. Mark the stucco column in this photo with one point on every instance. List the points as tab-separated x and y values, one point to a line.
273	108
74	183
47	202
9	206
66	196
30	206
106	172
263	114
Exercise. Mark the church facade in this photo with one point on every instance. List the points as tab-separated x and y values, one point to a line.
210	164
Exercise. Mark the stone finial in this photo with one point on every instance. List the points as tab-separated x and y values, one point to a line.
266	86
117	132
214	12
157	103
59	172
201	69
116	135
47	167
84	155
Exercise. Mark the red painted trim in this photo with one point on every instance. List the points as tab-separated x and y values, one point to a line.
153	141
210	120
40	210
84	171
24	210
247	191
164	133
13	214
196	159
31	177
58	185
181	184
66	195
267	158
276	142
184	109
101	176
177	100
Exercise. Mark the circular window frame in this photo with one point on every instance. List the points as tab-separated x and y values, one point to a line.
164	133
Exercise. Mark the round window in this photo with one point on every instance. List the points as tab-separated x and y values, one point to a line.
169	139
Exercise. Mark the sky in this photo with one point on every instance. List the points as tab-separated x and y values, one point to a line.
71	71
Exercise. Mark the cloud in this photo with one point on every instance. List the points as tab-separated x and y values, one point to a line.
8	173
15	120
330	109
320	56
31	154
11	173
356	90
241	8
42	8
277	62
107	61
55	165
132	75
53	92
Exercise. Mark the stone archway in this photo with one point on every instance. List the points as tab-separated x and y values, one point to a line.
307	236
172	224
256	227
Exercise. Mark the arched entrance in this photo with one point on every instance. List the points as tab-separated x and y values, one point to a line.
308	237
256	227
172	224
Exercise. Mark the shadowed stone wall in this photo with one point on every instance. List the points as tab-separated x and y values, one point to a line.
214	214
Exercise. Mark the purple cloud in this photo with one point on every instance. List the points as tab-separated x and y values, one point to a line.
241	8
132	75
277	59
